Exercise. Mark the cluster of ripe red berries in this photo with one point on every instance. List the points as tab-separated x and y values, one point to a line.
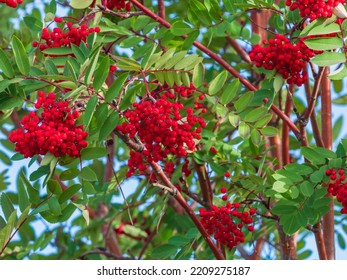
220	222
314	8
12	3
337	188
289	60
164	127
53	130
118	4
64	37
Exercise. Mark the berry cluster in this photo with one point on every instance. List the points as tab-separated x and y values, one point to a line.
12	3
118	4
164	127
337	188
53	131
314	8
219	222
64	37
289	60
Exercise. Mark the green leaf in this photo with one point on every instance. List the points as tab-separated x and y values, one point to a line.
54	206
165	57
6	205
243	102
293	222
198	75
88	174
312	155
306	188
324	29
282	209
23	199
109	125
93	153
131	42
338	74
278	82
323	44
269	131
54	187
69	192
101	73
256	137
69	174
217	83
244	130
116	87
80	4
256	114
58	51
5	65
9	102
20	56
164	251
33	193
188	62
341	241
328	58
91	68
33	23
230	92
90	109
179	240
88	188
80	56
174	60
280	186
234	119
180	28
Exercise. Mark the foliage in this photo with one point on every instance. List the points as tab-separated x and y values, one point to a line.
244	140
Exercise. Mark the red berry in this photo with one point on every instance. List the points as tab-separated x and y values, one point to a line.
58	19
227	174
250	228
113	68
225	197
223	190
213	150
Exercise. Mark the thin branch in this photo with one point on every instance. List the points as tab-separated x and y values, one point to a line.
328	219
161	9
313	97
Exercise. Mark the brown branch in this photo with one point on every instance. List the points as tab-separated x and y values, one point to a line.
320	242
239	50
315	129
221	62
161	9
285	133
205	184
328	219
313	97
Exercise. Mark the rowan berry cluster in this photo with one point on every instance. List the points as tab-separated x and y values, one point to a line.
54	130
12	3
337	187
288	59
118	4
164	127
314	8
225	223
64	37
